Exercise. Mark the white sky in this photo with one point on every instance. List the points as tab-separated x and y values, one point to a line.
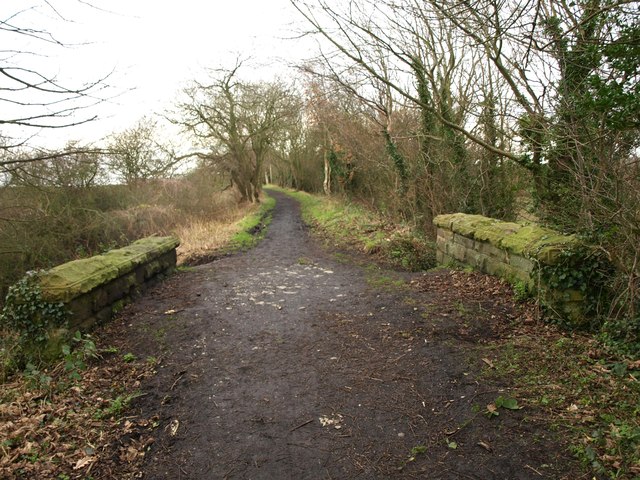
155	47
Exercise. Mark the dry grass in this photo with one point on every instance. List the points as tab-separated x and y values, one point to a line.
44	227
200	238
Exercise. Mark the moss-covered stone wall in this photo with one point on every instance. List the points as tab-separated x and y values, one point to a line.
46	308
508	250
92	288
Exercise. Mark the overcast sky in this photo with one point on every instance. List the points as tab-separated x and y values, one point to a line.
154	47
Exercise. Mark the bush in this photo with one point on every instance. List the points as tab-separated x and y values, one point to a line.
41	227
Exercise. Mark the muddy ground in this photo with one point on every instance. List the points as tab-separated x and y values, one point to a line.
291	362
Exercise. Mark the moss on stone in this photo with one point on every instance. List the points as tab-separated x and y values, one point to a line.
462	223
70	280
530	240
511	250
525	240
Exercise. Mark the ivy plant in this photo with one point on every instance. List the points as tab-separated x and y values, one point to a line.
583	269
28	314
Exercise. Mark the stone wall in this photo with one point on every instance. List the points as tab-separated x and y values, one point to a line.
507	250
45	308
92	288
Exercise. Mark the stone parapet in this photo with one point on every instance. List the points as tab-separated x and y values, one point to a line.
90	288
508	250
46	307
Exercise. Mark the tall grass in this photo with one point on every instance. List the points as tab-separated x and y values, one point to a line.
41	227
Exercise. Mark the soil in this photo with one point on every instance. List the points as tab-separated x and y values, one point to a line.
291	362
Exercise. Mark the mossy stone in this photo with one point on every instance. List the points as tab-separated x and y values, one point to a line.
527	241
70	280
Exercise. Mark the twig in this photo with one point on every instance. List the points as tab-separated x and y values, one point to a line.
177	380
531	468
301	425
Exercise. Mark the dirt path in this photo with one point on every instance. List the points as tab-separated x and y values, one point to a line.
285	363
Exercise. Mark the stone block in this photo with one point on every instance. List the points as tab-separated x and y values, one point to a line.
464	241
522	276
500	269
520	263
457	251
476	259
81	307
493	266
445	234
444	259
491	251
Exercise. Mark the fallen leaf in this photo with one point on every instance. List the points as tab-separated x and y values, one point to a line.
83	462
173	427
488	362
331	421
510	404
128	426
131	454
634	365
485	445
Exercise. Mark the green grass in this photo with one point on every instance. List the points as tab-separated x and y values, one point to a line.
251	229
349	225
117	406
385	281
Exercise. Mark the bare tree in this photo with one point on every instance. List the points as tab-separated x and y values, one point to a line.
395	57
74	166
31	97
136	154
238	123
552	86
427	63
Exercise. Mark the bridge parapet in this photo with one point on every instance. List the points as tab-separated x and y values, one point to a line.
513	251
46	306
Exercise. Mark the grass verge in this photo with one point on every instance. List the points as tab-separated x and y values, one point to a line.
568	382
241	228
251	229
590	393
348	225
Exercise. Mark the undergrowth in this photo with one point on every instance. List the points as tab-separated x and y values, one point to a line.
68	419
590	393
348	225
55	413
